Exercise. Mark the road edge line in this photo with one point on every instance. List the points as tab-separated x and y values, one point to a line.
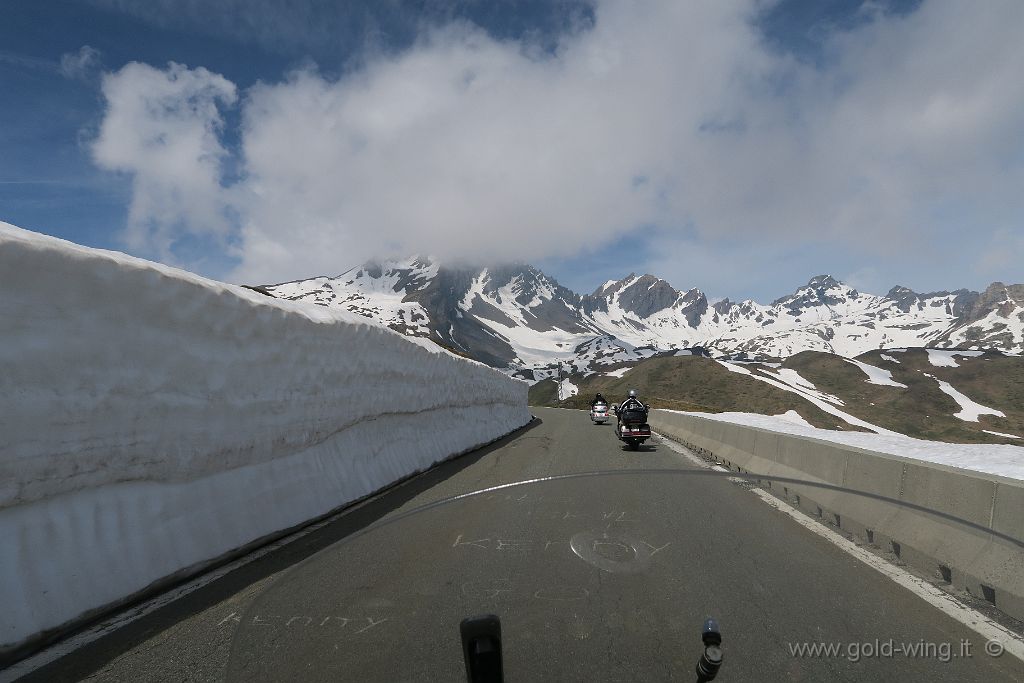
974	620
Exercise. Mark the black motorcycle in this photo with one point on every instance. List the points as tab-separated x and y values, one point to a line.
632	427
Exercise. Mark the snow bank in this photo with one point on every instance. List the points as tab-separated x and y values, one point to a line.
794	417
153	419
1000	459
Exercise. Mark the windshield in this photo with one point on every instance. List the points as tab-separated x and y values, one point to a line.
603	576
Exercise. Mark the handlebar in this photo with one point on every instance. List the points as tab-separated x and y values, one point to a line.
481	648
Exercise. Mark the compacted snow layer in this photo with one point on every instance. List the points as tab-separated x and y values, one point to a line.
1002	459
153	419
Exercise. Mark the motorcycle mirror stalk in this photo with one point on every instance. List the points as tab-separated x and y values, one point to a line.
711	660
481	648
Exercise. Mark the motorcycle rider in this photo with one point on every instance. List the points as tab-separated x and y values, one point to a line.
598	399
631	403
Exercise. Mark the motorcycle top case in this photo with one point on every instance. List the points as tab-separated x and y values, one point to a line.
633	417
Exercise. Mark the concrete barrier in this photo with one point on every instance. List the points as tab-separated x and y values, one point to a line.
948	523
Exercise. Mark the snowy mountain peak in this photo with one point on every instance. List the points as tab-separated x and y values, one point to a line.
646	295
823	282
821	290
610	288
517	318
904	297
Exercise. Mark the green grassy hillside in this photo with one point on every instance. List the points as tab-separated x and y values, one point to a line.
686	383
921	409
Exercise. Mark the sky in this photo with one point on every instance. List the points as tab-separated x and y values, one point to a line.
738	146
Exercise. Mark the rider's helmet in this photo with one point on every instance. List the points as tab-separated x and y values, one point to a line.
632	393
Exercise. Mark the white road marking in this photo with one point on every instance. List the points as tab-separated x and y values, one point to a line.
992	631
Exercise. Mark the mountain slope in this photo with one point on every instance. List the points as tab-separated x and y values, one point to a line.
520	320
963	397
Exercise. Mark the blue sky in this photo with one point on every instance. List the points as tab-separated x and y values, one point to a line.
741	146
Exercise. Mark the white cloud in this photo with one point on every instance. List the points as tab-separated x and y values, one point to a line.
162	127
663	113
469	147
80	65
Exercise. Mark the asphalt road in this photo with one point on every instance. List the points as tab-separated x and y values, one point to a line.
595	579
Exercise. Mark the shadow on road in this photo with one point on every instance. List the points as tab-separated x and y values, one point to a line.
643	448
353	517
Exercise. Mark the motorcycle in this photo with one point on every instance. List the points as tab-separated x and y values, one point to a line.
599	413
632	428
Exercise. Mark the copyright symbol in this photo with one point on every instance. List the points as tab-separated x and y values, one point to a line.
994	648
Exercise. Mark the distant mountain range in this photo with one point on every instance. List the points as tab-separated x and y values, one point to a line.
518	319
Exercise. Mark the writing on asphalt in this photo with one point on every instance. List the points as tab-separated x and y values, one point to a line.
350	625
527	544
500	588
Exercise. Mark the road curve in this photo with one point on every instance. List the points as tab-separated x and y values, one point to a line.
595	579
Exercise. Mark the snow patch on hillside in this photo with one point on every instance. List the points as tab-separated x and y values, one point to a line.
876	375
969	410
793	379
1009	436
945	359
732	367
567	389
790	380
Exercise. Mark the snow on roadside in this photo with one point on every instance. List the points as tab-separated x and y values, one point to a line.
969	410
876	375
794	417
1008	436
153	420
1000	459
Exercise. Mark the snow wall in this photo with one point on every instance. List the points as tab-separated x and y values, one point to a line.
151	420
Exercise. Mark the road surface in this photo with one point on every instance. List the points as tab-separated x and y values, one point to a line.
595	579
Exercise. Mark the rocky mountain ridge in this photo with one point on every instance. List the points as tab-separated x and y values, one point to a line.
518	319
